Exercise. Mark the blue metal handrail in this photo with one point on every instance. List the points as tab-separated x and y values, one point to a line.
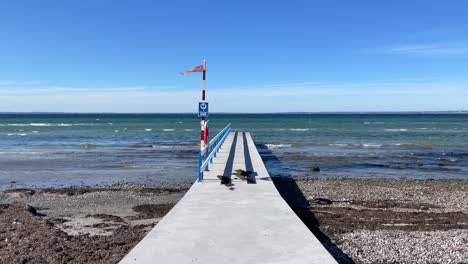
209	151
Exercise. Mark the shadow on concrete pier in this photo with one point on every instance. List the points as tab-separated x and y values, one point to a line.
293	195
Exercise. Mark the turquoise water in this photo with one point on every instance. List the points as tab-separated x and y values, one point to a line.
88	149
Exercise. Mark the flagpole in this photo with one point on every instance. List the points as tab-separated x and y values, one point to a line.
204	81
204	98
203	126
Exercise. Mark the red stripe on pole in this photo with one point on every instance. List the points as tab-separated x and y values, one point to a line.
204	74
203	95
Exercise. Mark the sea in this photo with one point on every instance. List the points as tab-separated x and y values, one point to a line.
60	150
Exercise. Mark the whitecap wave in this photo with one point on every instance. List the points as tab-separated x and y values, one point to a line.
17	134
339	145
148	129
48	124
299	129
372	145
377	123
30	124
278	145
396	129
21	153
168	129
38	124
188	129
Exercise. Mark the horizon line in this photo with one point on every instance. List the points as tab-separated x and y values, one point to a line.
292	112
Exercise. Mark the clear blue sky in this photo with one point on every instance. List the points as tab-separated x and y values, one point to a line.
263	56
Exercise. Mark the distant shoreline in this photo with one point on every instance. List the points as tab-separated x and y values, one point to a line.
247	113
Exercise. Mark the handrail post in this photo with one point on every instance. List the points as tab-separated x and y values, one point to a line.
200	162
211	159
207	155
216	144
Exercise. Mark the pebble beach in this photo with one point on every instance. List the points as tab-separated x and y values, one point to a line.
358	221
391	221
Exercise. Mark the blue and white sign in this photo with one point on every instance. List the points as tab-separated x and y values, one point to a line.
203	109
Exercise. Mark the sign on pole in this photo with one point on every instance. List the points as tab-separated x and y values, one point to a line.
203	109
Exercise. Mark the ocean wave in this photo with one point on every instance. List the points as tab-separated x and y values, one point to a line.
21	153
402	145
299	129
148	129
141	146
168	129
396	129
339	145
17	134
188	129
369	123
384	145
48	124
175	146
450	159
89	146
163	146
410	146
278	145
371	145
30	124
365	145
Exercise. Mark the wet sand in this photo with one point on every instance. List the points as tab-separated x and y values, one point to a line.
362	221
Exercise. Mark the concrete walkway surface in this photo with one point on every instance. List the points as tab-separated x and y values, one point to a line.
246	221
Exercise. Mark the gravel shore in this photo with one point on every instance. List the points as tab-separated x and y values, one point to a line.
389	221
358	221
79	225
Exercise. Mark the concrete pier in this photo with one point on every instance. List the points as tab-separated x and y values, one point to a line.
244	221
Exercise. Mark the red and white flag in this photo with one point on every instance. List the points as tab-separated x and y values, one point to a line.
195	69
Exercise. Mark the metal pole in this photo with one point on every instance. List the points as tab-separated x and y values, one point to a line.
204	98
200	162
203	136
